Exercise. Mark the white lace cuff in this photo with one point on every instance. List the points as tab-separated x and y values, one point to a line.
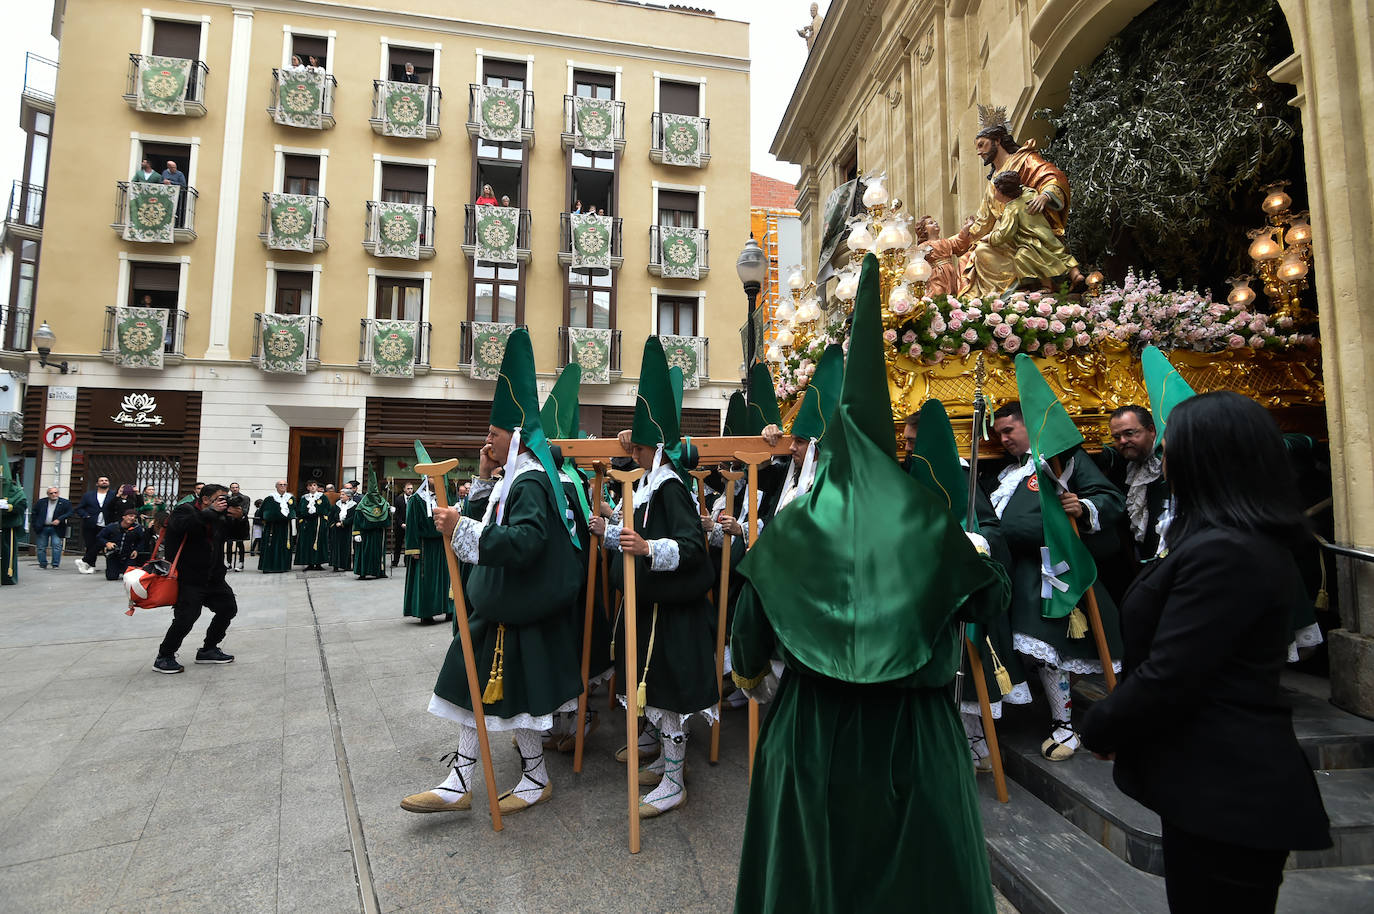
480	488
716	538
1091	510
663	555
612	538
466	538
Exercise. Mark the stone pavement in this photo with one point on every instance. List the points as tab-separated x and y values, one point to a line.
273	783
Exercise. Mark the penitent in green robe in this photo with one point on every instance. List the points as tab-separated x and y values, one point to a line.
312	531
521	592
369	553
341	536
274	552
11	525
837	761
426	588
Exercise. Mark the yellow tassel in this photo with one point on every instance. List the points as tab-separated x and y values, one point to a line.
1322	601
648	657
999	671
1078	623
496	686
612	649
643	696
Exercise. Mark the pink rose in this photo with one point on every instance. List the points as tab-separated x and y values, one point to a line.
955	324
1079	326
1235	341
1044	307
1002	331
994	319
909	337
1256	342
975	303
1049	349
938	325
1147	334
991	348
1032	345
1244	317
1056	327
975	313
889	336
937	357
1257	325
963	350
971	335
1020	307
958	314
1034	296
914	352
1011	343
997	304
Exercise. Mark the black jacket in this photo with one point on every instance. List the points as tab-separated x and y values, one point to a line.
1202	732
62	512
127	543
203	532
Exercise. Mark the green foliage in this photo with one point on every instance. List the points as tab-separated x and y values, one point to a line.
1169	134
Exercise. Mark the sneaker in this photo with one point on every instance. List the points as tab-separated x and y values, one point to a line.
213	655
82	567
168	665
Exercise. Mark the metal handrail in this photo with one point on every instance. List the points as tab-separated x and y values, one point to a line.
26	204
656	134
175	345
617	118
195	82
186	208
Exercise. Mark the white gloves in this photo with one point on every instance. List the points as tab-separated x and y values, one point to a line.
979	543
764	691
357	537
4	504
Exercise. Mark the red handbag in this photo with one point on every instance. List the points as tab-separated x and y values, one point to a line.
154	585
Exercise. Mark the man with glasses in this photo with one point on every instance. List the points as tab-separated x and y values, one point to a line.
1132	465
49	523
195	540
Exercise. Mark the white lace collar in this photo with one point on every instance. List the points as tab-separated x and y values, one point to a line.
1008	480
345	507
281	498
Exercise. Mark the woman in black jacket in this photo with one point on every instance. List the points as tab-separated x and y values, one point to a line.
1199	727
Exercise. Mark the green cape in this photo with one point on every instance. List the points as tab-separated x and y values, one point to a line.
935	460
1165	386
822	395
736	416
9	488
373	505
763	401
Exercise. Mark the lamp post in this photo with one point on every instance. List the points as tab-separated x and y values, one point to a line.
752	267
43	340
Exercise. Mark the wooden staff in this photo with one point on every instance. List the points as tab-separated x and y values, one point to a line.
627	478
752	460
1090	598
975	667
700	476
724	590
435	472
593	559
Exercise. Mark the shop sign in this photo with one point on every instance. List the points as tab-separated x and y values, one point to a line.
136	410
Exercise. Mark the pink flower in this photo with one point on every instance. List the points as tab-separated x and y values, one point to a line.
1079	326
1257	325
1044	307
975	303
937	357
901	307
1063	312
1034	296
909	337
1147	334
1032	345
1011	343
958	314
1256	342
1285	322
990	348
1012	317
997	304
963	350
1002	331
1235	341
955	324
914	352
1056	327
975	313
889	336
938	325
1020	307
971	335
994	319
1244	317
1049	349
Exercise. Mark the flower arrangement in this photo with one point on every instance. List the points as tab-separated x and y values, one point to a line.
795	371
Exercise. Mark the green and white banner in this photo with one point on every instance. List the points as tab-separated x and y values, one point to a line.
393	348
687	353
284	338
593	124
499	113
488	348
591	348
397	226
497	233
684	139
140	334
291	222
680	250
162	84
300	97
403	109
591	242
152	212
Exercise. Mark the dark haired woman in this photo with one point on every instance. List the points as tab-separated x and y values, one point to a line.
1198	726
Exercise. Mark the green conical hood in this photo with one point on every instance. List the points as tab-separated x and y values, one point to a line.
854	610
1048	425
1165	386
935	460
559	417
762	401
676	381
9	488
373	505
822	394
736	416
656	420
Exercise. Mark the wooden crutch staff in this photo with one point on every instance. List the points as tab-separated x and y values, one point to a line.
435	472
627	478
1090	600
752	460
593	559
975	667
724	593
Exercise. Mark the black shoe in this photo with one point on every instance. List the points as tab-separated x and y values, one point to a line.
168	665
213	655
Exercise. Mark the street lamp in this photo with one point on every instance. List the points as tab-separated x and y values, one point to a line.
752	268
43	340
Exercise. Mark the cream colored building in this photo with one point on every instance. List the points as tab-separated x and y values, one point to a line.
218	274
894	85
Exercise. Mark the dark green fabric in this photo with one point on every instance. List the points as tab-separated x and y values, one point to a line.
762	405
373	505
676	382
426	585
11	520
736	416
822	395
340	539
523	574
656	419
369	555
559	415
274	549
935	460
1165	387
312	532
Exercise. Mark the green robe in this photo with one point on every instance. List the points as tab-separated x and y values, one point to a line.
369	553
274	552
521	592
312	541
426	588
341	537
11	526
862	796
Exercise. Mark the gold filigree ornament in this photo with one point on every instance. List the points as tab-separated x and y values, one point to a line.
398	229
152	211
392	348
496	234
139	337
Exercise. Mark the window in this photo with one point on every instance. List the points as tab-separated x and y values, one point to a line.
504	181
589	300
405	183
36	156
293	292
677	316
19	315
308	46
159	155
176	39
677	208
496	293
421	60
509	73
155	285
590	84
400	298
593	189
679	98
301	175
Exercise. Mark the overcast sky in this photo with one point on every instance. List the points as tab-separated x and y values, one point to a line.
777	53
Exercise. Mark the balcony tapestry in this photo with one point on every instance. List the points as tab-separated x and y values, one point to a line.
498	113
140	334
687	353
593	124
681	252
291	222
397	229
300	98
393	348
591	243
403	109
162	84
152	212
283	343
683	139
488	348
590	347
497	234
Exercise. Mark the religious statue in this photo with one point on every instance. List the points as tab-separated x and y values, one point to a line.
1021	247
809	32
943	254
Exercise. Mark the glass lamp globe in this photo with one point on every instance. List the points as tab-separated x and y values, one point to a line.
875	193
847	287
918	269
784	311
860	239
1275	200
784	337
1300	232
1241	295
890	238
898	297
1264	247
795	279
1293	268
773	353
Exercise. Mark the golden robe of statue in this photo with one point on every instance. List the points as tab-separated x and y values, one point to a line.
1040	175
1020	245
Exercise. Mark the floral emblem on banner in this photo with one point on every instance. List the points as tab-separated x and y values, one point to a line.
682	143
140	334
497	234
397	229
283	343
393	348
681	250
152	212
488	348
590	348
685	352
162	83
594	124
403	109
300	98
498	112
291	226
591	242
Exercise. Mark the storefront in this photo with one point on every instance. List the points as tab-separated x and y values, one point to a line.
136	436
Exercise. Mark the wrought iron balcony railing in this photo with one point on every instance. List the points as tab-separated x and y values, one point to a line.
309	116
372	228
24	215
312	341
183	221
522	233
193	99
399	123
565	241
465	340
365	334
320	210
174	340
656	145
40	83
703	254
569	136
563	349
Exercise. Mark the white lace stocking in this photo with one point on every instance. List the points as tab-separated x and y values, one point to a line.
534	774
463	764
1056	684
672	790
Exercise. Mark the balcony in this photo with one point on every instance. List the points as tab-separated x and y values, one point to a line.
589	365
380	241
690	260
367	331
495	246
589	247
177	90
692	354
680	151
302	98
492	114
595	135
11	425
174	340
288	233
40	86
24	215
161	226
406	110
309	355
482	365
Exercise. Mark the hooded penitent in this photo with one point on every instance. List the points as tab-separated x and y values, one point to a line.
560	417
813	417
656	410
736	416
1165	386
374	506
762	403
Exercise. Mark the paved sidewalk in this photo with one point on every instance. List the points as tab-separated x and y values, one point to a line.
222	789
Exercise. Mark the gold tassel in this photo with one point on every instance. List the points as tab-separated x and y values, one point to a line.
642	696
648	655
1322	601
615	625
1078	623
999	671
496	687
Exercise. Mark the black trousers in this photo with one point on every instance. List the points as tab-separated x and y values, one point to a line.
90	536
115	567
1203	875
398	541
218	597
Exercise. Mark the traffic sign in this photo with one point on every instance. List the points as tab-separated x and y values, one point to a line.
59	437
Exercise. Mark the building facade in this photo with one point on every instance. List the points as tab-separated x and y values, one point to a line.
369	197
773	219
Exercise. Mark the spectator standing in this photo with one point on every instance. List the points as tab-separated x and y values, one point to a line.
146	174
237	529
196	531
487	197
398	523
150	506
409	75
257	528
123	544
13	512
92	509
49	525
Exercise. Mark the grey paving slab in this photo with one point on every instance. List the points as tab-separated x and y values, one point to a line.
65	883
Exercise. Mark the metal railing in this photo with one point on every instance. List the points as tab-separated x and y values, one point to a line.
174	341
320	207
526	108
195	82
522	231
312	340
563	348
370	228
326	102
421	344
184	222
40	80
465	340
656	135
656	250
432	103
26	205
565	235
617	120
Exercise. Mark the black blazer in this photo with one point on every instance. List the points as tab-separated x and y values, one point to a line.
1201	730
89	510
38	517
